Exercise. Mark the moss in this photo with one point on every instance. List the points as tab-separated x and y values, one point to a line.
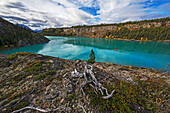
26	53
38	91
149	95
13	56
19	106
73	97
7	95
39	101
34	67
15	65
47	74
11	98
18	77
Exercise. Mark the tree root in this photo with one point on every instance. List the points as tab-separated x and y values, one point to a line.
81	107
42	110
88	74
90	80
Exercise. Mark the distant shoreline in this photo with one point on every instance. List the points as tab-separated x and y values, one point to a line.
167	41
120	39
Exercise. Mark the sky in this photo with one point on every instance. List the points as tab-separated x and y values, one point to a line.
41	14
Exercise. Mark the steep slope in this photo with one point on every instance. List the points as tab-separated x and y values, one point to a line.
15	36
47	83
156	29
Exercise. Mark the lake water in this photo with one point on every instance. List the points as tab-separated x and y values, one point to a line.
143	54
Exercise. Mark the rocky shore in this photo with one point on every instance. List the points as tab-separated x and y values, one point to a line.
44	82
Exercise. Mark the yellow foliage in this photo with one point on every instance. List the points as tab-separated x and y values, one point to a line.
141	38
11	45
107	37
92	35
5	45
119	28
110	36
146	38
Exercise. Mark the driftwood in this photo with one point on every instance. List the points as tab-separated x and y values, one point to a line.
91	80
45	111
42	110
82	107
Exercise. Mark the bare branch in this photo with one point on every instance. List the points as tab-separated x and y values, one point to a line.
108	96
30	107
23	97
67	106
41	110
81	107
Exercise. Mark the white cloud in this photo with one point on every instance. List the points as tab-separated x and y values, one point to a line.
121	10
38	14
85	3
48	13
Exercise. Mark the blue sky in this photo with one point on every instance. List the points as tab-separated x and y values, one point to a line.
40	14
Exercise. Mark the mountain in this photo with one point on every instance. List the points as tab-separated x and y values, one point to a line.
156	29
16	35
37	31
24	26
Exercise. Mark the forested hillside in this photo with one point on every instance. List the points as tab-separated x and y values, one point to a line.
158	33
156	29
15	36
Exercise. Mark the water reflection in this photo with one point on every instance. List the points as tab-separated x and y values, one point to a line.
31	48
148	47
143	54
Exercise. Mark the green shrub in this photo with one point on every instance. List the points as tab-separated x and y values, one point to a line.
91	60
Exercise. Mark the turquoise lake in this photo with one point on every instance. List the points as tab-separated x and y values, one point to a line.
142	54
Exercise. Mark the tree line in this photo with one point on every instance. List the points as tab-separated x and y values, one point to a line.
157	33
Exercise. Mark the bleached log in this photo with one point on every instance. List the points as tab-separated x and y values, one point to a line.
67	106
92	79
41	110
93	88
32	108
108	96
105	90
82	107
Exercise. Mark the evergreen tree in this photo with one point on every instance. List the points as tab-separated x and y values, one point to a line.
91	60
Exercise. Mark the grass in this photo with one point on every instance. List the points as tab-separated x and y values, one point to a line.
38	91
47	74
19	106
6	96
34	67
149	95
18	77
13	56
10	97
